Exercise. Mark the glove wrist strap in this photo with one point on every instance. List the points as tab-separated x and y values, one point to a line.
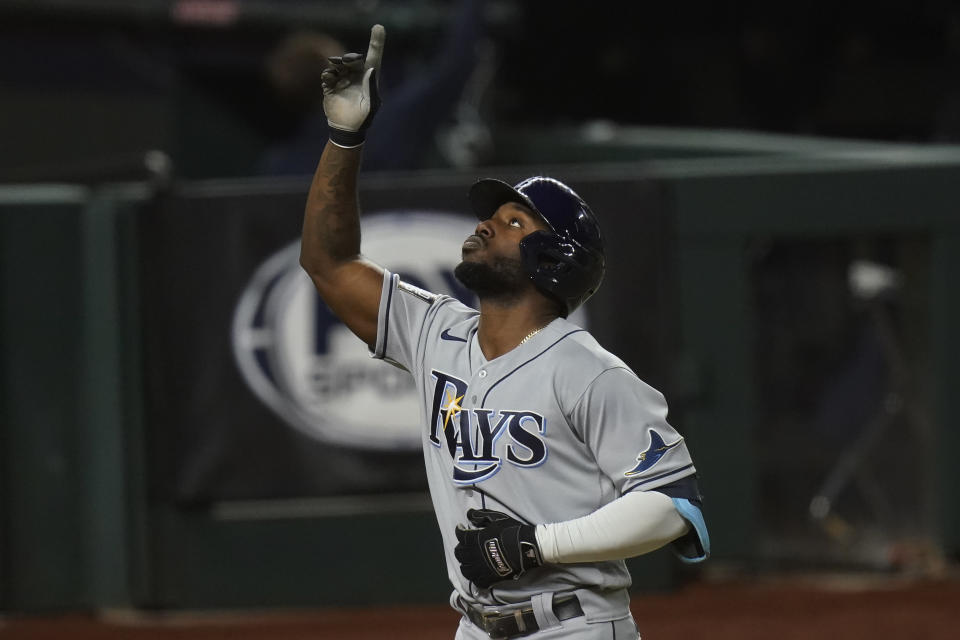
529	549
346	139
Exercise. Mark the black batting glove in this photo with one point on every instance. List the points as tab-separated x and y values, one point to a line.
500	548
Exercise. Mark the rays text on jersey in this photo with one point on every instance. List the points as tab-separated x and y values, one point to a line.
472	435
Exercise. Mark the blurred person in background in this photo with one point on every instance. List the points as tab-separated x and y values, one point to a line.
413	112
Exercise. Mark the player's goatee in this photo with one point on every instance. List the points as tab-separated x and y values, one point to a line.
502	279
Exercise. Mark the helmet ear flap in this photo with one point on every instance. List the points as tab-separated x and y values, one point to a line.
561	268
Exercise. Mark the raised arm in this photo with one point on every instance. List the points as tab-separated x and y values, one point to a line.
330	248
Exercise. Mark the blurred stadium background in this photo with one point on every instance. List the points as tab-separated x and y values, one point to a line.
190	447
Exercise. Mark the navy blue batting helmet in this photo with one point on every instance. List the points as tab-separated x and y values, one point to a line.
566	262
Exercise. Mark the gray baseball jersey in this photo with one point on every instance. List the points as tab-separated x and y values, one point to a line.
550	431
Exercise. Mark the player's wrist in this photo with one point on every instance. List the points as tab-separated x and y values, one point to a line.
546	542
347	139
531	555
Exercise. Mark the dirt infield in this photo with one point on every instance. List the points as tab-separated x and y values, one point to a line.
835	609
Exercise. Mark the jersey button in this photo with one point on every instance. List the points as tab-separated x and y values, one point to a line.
483	374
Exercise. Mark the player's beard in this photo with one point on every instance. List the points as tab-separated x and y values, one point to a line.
501	281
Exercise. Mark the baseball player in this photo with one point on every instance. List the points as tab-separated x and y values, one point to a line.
548	460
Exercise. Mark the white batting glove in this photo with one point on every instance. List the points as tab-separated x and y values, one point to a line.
350	95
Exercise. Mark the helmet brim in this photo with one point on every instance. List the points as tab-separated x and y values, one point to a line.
488	194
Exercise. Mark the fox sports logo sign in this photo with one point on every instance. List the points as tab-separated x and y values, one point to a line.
312	371
304	364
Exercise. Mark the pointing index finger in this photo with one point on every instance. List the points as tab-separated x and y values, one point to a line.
375	51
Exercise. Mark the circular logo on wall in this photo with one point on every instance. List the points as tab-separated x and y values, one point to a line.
312	371
309	368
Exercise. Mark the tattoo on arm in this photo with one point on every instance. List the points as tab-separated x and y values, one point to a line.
331	228
330	246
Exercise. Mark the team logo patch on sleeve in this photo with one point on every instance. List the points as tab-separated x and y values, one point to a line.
651	456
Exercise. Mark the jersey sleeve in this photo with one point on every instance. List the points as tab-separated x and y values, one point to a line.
404	313
623	421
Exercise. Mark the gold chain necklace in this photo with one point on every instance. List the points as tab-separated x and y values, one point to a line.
530	335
